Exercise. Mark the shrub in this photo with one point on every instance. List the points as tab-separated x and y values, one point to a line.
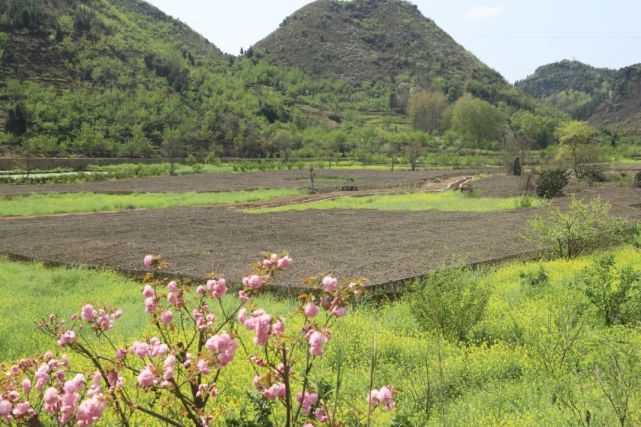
535	279
450	301
551	183
171	378
191	160
212	159
582	227
524	202
613	290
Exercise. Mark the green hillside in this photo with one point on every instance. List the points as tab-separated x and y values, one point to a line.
605	97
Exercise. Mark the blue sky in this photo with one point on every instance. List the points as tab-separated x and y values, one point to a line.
512	36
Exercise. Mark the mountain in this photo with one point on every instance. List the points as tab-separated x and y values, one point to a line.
119	78
605	97
369	41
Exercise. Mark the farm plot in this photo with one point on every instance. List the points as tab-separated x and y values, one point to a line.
326	179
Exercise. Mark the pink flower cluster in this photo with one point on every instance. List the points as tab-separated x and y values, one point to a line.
271	391
216	288
262	324
307	400
151	349
384	397
224	347
100	319
316	341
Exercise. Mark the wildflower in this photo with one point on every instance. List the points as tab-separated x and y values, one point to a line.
330	283
311	309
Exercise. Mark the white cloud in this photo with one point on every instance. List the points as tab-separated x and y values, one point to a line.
480	13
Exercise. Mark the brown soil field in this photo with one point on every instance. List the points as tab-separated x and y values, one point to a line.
383	246
326	179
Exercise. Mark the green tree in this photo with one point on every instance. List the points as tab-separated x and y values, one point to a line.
173	146
426	111
477	121
582	227
576	140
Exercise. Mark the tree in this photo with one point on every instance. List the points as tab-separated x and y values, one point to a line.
413	145
173	146
426	111
283	142
576	140
477	121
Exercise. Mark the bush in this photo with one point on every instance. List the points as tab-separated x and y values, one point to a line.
524	202
536	279
212	159
191	160
173	378
551	183
450	301
613	290
582	227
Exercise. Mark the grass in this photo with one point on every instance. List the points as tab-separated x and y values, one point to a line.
47	204
30	292
448	201
495	378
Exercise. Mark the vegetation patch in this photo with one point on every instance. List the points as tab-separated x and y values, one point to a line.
540	353
446	201
47	204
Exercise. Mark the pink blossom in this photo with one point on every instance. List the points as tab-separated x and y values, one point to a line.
150	304
339	311
255	281
260	323
218	287
149	261
121	353
5	409
224	346
52	400
140	349
311	309
201	290
243	296
167	317
90	411
66	338
148	292
384	396
26	385
316	341
146	377
88	313
172	286
203	367
321	415
274	391
42	376
175	299
279	327
307	401
23	409
170	361
284	262
330	283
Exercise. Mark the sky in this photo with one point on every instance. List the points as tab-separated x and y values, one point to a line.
512	36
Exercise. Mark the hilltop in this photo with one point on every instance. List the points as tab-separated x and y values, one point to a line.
369	41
